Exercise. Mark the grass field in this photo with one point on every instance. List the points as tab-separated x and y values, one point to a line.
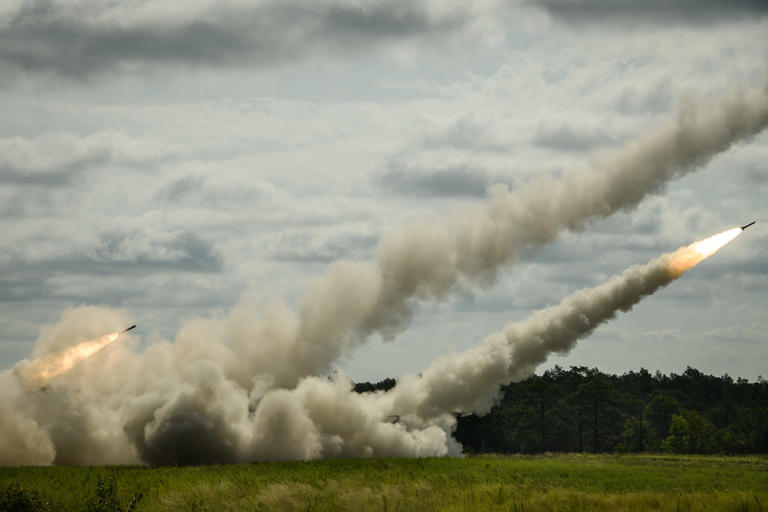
516	483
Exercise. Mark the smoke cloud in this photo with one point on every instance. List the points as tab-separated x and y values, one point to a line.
245	386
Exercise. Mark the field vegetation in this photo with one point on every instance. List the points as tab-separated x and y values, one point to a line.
496	483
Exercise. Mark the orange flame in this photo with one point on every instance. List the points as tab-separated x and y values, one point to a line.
687	257
39	371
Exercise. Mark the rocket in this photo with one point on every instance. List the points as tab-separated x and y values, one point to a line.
742	228
133	326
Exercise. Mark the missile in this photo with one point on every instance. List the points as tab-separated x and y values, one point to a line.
742	228
128	329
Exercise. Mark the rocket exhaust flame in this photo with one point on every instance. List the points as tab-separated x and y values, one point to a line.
38	372
686	257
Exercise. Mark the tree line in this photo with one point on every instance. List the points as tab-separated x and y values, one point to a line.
585	410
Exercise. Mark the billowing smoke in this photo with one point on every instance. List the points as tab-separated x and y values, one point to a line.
245	387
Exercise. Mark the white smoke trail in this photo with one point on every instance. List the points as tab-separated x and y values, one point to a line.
469	382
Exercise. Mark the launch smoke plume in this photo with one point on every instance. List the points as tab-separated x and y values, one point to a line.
246	387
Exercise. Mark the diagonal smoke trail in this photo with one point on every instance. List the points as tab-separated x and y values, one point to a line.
469	382
426	261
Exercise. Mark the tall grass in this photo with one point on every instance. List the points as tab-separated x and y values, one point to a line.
516	483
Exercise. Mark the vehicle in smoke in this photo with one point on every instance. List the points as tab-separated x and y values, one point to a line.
742	227
128	329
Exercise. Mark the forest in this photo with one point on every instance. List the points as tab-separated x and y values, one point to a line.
585	410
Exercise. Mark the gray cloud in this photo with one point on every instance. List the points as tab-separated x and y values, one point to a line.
180	188
468	132
751	267
57	159
167	250
636	99
451	181
223	190
564	137
17	286
124	250
655	11
82	39
758	175
307	246
41	200
62	176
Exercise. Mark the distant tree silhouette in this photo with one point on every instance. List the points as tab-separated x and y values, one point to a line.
583	409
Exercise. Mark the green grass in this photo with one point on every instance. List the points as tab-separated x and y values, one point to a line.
516	483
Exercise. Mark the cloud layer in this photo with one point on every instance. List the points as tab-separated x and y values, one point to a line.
652	11
83	38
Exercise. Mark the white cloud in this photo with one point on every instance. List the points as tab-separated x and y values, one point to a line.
78	39
54	158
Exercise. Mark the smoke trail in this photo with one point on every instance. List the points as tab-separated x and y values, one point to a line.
426	261
469	382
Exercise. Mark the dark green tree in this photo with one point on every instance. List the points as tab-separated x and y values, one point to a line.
658	416
634	437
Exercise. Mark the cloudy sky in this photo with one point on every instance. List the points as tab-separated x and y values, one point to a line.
173	159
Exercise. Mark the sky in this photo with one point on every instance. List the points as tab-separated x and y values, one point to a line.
171	160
